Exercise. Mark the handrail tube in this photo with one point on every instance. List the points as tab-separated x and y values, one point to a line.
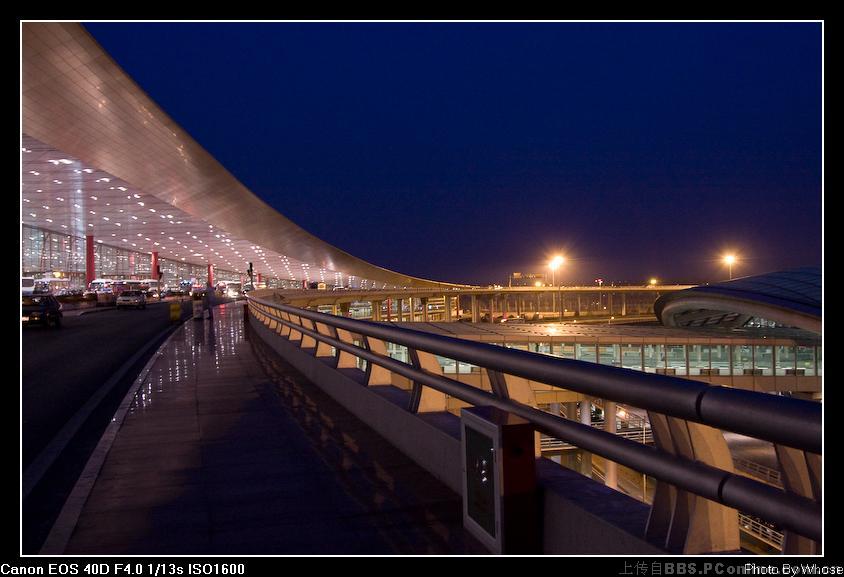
726	408
791	511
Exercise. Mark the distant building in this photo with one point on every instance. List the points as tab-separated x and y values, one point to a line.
527	278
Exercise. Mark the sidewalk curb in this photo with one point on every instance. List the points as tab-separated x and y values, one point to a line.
65	523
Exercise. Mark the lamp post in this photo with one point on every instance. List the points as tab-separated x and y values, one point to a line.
554	265
729	260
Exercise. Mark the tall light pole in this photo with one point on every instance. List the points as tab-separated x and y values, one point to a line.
554	265
729	259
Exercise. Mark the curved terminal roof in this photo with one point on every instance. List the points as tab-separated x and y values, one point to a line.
791	298
100	157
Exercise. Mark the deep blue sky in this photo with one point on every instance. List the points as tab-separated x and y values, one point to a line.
463	152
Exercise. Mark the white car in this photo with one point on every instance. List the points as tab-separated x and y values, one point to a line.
137	299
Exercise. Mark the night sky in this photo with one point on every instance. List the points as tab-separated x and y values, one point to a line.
463	152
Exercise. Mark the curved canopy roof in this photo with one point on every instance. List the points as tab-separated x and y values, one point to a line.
90	135
791	298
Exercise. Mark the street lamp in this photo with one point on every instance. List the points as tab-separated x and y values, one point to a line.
653	282
554	265
729	259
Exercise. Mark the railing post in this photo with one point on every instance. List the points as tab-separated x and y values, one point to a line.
324	349
376	374
425	399
801	474
346	360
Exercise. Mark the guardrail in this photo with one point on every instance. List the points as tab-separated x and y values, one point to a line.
761	472
790	422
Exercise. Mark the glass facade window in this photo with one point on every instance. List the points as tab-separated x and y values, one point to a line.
654	358
719	359
806	361
543	348
361	363
609	355
820	362
764	360
565	350
398	352
698	359
449	366
519	346
675	356
785	361
631	356
742	360
586	352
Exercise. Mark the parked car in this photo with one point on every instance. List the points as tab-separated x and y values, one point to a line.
137	299
41	308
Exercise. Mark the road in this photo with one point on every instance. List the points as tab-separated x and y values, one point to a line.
62	368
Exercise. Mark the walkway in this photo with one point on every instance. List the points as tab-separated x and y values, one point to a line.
227	450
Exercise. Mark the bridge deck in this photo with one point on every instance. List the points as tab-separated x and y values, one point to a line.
227	450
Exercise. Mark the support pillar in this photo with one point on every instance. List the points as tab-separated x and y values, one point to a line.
210	274
153	266
389	310
376	310
571	411
492	308
623	304
578	305
259	278
425	309
476	314
586	419
90	274
519	305
344	309
611	473
609	303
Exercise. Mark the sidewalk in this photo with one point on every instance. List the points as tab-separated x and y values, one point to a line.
226	450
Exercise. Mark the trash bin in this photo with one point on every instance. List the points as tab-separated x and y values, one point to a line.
175	311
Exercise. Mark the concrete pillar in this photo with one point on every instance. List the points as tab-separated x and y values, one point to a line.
571	411
344	309
476	314
586	419
389	310
259	278
554	408
519	305
335	309
376	310
447	308
491	308
611	474
579	308
400	310
623	304
424	309
90	273
210	274
609	303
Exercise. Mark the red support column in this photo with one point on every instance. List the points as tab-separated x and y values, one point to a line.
259	278
90	274
389	310
210	274
153	267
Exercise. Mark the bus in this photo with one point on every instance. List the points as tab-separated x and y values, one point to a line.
234	290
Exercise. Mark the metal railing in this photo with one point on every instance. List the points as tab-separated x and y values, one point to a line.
760	530
757	471
787	421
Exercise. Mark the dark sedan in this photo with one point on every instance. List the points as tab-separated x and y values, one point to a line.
41	308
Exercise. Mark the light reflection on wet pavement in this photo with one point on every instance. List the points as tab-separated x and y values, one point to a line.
227	450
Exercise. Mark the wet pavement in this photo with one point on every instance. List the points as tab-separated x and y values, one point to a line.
227	450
